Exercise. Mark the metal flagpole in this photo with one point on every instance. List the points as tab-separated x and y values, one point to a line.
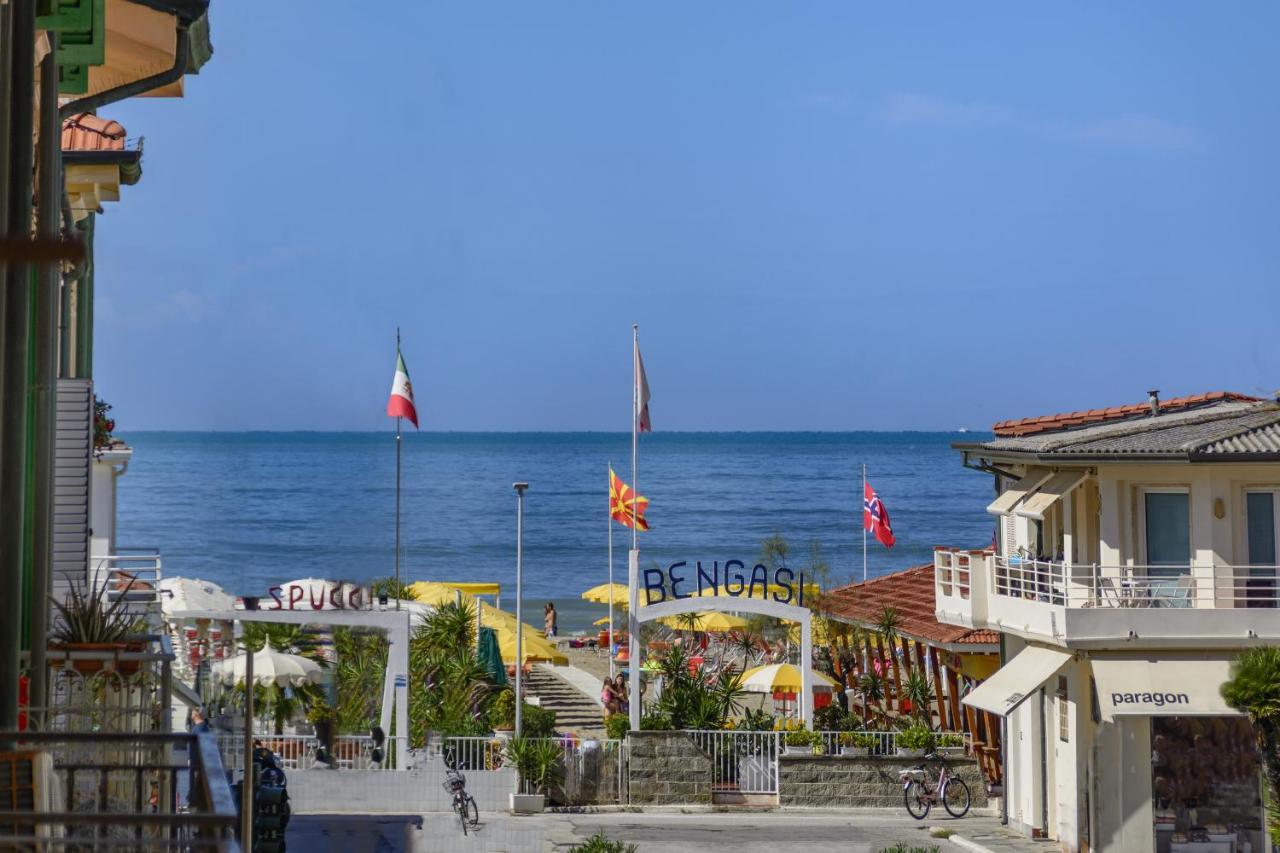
633	559
608	519
398	419
864	522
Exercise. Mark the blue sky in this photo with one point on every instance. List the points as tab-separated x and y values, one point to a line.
824	215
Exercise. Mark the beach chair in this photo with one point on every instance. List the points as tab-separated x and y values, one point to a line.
1180	595
1108	594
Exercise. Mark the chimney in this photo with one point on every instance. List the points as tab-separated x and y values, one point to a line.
1153	397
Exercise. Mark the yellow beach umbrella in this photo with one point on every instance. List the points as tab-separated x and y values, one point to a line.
436	593
603	620
600	594
536	646
780	677
709	622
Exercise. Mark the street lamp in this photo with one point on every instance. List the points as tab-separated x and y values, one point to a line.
519	487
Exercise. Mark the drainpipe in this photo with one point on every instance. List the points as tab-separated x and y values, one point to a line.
1004	747
89	103
45	355
14	447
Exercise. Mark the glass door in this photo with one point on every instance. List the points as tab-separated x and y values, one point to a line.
1167	543
1261	524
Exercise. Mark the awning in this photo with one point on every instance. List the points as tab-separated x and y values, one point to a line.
1008	499
1168	686
1017	680
1051	492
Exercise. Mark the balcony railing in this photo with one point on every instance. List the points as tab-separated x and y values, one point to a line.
112	791
302	752
1061	584
133	574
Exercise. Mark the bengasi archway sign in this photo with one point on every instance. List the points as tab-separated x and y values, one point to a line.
712	586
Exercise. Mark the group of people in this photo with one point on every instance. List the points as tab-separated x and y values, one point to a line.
613	696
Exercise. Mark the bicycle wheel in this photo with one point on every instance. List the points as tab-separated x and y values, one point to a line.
460	809
471	811
956	801
916	799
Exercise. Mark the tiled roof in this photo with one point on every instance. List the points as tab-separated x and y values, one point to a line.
1067	420
1225	430
911	593
87	132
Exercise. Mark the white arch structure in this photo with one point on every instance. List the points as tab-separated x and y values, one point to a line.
726	604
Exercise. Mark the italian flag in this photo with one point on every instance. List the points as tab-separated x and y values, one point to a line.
400	404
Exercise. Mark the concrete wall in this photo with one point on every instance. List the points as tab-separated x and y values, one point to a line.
829	780
667	768
418	790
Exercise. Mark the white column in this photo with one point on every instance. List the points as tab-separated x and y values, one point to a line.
806	668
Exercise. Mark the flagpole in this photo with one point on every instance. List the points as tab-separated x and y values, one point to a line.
608	519
398	419
633	559
864	522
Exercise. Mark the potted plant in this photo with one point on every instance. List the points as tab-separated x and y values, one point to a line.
539	766
800	742
88	621
915	741
855	743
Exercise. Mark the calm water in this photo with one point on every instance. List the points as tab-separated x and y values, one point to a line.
250	509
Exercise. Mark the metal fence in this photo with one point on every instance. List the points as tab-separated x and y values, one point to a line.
114	791
593	771
302	752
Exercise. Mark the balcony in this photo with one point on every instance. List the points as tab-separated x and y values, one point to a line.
102	791
1097	605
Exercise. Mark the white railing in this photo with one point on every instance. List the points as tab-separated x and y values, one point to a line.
302	752
974	575
746	762
1129	586
133	574
886	743
594	771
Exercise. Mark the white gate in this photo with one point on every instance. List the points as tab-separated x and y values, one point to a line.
741	762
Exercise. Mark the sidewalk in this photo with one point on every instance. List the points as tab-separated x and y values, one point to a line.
994	838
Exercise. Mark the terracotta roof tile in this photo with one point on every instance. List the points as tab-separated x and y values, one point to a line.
86	132
911	593
1049	423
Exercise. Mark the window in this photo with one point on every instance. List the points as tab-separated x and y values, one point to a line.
1064	709
1167	532
1260	524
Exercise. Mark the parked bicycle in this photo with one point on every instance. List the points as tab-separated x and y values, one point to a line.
919	796
464	805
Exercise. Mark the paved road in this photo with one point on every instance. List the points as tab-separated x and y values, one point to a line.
651	831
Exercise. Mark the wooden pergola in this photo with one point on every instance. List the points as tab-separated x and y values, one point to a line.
954	658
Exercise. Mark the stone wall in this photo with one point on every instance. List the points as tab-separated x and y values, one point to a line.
667	768
833	781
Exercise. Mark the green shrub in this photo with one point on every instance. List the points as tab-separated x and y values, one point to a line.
655	722
901	847
802	737
757	721
951	739
599	844
538	761
857	740
829	719
616	726
537	722
502	713
916	737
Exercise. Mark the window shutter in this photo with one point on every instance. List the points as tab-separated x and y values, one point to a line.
73	456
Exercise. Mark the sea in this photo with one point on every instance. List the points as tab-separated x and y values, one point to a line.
249	510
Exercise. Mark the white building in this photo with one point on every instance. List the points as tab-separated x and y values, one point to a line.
1136	556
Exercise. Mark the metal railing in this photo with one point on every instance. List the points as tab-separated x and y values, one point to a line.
745	762
885	743
594	771
302	752
1062	584
142	566
113	791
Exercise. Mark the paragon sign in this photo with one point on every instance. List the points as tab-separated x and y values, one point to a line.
733	580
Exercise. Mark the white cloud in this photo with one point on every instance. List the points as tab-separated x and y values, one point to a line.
1133	131
906	108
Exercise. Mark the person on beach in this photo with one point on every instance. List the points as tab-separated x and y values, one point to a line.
549	619
620	694
608	698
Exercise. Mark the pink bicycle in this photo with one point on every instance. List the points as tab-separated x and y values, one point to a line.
950	789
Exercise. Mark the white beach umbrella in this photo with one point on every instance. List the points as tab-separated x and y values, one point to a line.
177	594
270	667
780	677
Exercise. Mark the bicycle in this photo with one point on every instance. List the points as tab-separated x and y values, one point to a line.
464	805
950	789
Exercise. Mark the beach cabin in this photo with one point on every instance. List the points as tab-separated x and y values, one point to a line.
1134	557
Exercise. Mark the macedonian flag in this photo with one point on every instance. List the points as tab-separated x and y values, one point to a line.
623	500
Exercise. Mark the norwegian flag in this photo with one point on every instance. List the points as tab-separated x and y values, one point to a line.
875	517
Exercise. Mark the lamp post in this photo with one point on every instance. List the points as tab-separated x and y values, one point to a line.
519	487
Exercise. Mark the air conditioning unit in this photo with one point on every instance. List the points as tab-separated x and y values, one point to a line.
28	783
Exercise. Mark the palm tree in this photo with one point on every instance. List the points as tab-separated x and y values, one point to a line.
362	660
887	627
450	627
871	686
1254	689
920	692
292	639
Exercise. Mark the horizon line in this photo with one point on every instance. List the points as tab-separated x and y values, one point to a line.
556	431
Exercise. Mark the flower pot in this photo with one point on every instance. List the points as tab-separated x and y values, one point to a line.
789	749
855	751
527	803
903	752
88	667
